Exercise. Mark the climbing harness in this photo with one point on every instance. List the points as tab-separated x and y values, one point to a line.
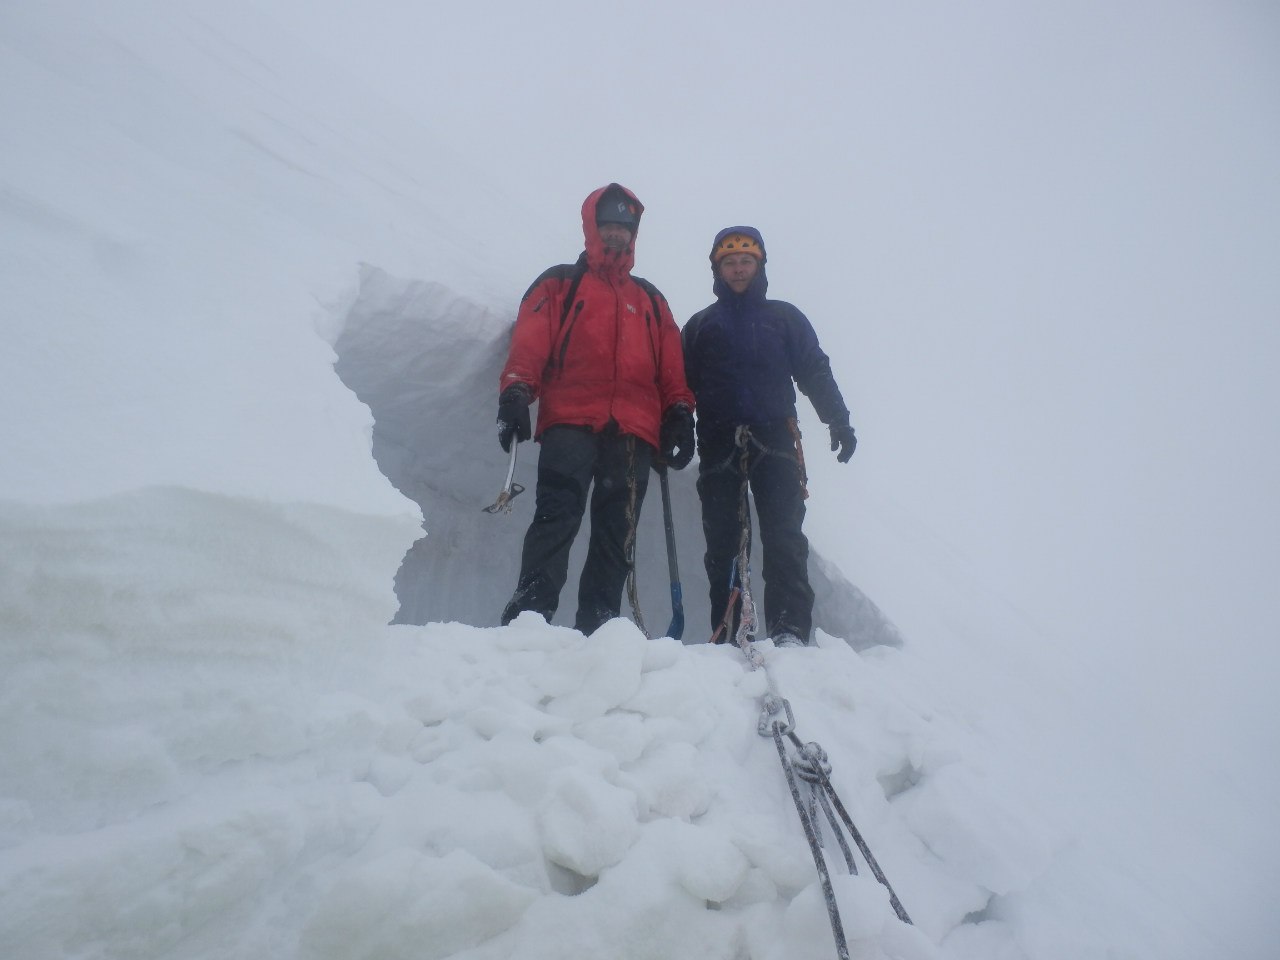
629	545
745	442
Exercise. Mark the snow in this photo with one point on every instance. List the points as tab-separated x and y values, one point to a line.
253	698
215	745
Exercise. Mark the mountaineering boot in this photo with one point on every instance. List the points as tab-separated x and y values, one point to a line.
787	639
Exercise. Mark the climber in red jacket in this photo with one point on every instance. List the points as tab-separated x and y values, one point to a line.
600	352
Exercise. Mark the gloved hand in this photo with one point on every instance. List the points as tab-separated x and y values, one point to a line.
513	415
676	436
843	439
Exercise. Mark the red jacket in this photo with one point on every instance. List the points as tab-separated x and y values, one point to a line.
611	358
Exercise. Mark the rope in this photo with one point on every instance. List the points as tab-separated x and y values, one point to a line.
823	773
744	442
747	623
810	764
815	847
813	767
629	546
740	573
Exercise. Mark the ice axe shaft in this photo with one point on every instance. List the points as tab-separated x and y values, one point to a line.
677	593
510	489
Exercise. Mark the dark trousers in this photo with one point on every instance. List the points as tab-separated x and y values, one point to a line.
773	474
572	460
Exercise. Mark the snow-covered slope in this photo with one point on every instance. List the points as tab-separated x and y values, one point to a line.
212	746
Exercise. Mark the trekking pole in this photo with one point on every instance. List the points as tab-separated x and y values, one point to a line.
510	489
677	593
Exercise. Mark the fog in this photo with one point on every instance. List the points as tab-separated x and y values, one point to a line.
1039	246
1037	241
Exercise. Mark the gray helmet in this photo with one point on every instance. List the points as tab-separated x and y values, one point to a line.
614	206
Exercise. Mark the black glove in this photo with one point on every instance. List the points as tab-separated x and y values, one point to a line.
513	415
842	439
676	436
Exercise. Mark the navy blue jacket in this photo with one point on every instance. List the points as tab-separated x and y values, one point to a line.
743	353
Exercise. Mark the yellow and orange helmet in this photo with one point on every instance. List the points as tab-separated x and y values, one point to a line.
732	242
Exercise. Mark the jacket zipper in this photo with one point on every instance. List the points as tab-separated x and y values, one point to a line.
617	345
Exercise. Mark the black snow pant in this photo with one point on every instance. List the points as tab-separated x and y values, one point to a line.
774	474
572	459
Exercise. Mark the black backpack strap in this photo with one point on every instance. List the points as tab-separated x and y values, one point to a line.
561	271
573	272
577	271
654	296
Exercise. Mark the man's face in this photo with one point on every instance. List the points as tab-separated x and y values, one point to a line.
614	236
738	270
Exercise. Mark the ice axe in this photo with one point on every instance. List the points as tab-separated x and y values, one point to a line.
677	594
510	489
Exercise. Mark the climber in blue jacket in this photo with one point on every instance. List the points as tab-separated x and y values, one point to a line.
744	356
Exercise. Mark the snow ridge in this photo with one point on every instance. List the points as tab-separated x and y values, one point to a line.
212	745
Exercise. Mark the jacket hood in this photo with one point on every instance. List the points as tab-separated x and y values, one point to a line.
759	283
597	258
